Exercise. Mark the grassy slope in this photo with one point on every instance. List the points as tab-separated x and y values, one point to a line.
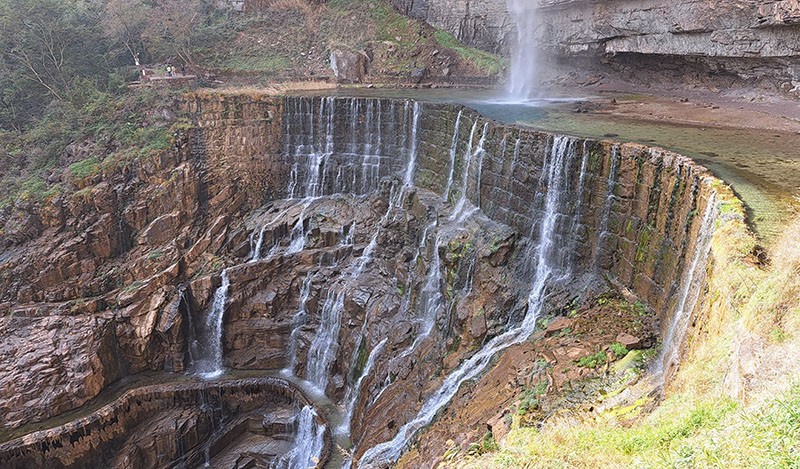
735	402
293	40
102	131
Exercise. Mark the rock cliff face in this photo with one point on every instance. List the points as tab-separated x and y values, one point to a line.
170	424
376	248
484	24
694	42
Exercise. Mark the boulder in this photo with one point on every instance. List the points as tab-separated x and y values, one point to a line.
349	66
557	326
630	342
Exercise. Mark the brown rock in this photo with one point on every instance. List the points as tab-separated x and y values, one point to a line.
629	341
499	425
348	66
557	326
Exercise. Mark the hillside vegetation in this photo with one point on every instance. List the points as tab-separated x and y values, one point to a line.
734	402
67	109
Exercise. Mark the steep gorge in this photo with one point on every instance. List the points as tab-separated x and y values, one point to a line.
382	250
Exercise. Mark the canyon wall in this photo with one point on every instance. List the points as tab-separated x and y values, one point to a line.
713	45
342	224
484	24
636	215
90	282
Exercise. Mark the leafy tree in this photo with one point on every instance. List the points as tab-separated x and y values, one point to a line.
45	45
49	42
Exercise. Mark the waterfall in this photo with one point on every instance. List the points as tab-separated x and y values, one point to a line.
327	158
298	320
208	362
459	213
192	338
309	441
557	196
690	290
577	216
515	157
453	151
431	295
408	178
255	245
348	235
298	235
465	174
611	183
355	391
522	80
325	345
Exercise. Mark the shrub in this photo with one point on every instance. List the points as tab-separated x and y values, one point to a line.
618	349
593	361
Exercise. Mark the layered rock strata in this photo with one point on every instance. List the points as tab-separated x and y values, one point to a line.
173	425
373	247
705	44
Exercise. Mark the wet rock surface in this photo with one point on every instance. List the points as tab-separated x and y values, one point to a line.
371	247
532	381
172	424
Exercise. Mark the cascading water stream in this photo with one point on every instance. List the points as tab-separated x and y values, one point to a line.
354	392
408	178
208	364
309	441
523	79
691	288
298	235
462	200
298	320
515	157
255	251
453	152
611	183
557	195
325	345
479	152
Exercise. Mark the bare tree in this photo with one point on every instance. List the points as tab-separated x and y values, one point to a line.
124	22
172	24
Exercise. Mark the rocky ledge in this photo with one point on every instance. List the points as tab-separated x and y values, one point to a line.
235	423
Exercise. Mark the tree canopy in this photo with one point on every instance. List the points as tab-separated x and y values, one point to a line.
47	46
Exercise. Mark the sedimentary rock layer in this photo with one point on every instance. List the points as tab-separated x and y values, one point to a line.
689	42
200	419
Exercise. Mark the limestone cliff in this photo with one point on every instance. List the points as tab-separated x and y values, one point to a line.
689	42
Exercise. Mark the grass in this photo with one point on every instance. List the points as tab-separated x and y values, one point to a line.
269	64
530	398
85	168
750	315
592	361
485	61
107	129
618	349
